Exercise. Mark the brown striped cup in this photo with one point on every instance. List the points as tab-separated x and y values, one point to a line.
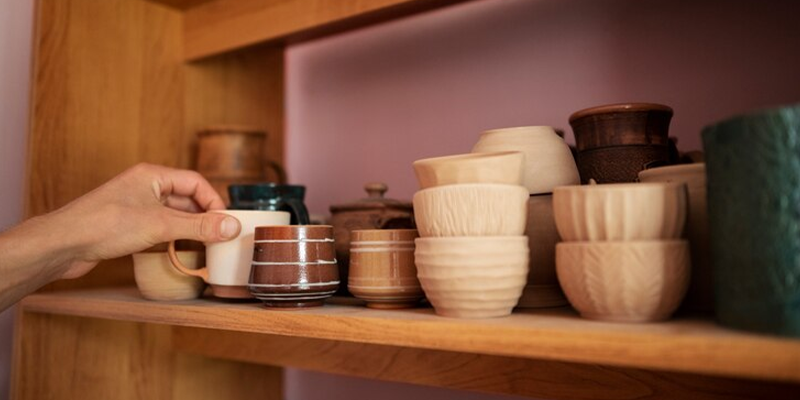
294	266
382	269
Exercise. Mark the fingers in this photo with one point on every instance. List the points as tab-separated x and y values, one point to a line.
189	184
182	204
206	227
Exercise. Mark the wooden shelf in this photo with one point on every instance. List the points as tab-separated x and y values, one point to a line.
688	345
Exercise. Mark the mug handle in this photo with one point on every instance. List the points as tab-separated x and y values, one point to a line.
278	170
201	273
298	209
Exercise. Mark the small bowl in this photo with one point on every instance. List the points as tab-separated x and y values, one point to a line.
624	281
472	277
158	280
503	167
473	209
542	289
382	270
623	211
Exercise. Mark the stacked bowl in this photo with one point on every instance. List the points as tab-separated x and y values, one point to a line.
548	163
622	258
471	256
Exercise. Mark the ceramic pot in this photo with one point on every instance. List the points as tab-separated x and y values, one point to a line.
157	280
472	277
229	155
622	211
542	289
373	212
753	167
503	167
472	209
293	266
636	281
617	141
548	160
382	269
700	296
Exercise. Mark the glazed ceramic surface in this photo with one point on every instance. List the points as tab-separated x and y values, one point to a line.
542	289
701	289
499	167
548	160
270	197
633	211
373	212
158	280
637	281
293	266
474	209
616	141
753	165
229	262
382	269
473	277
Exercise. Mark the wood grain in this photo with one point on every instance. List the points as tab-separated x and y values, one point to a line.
224	25
504	375
682	345
83	358
180	4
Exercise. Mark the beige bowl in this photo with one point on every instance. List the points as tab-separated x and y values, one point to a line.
548	160
472	277
158	280
623	211
499	167
472	209
624	281
701	290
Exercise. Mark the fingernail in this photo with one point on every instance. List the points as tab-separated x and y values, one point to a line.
229	228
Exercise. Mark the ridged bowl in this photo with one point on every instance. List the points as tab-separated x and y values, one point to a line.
475	209
624	281
472	277
497	167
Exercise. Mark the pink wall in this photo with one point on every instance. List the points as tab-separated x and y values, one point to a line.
363	105
16	17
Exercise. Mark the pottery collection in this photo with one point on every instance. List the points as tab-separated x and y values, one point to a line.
293	266
510	225
382	269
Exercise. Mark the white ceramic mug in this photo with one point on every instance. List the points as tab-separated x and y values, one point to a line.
228	263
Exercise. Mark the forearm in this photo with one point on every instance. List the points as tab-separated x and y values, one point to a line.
31	256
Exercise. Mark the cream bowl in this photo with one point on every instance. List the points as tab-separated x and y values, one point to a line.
472	277
472	209
503	167
623	211
639	281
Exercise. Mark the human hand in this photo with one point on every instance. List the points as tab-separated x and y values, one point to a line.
144	206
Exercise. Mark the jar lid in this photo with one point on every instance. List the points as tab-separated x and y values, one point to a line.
227	129
375	192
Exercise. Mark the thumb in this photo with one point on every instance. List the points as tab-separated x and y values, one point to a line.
205	227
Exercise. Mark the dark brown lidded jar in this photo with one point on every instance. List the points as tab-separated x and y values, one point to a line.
617	141
373	212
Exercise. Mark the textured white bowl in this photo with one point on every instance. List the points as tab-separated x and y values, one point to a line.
548	160
473	209
503	167
622	211
624	281
472	277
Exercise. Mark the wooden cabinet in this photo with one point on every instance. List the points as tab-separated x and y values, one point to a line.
117	82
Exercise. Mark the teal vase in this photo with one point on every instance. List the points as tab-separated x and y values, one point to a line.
753	171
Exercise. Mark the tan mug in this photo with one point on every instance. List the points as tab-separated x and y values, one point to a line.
228	263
